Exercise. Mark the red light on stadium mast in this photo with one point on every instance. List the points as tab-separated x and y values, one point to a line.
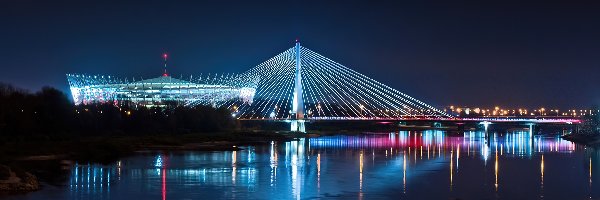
165	57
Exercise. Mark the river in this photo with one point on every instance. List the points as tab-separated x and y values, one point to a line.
398	165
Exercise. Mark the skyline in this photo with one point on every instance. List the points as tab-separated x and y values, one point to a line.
445	54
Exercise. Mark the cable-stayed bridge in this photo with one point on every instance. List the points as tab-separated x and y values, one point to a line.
302	84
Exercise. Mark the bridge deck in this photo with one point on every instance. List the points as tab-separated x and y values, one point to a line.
553	120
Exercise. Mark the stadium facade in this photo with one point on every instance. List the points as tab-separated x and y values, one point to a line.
215	90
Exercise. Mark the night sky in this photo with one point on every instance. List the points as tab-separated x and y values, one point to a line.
510	54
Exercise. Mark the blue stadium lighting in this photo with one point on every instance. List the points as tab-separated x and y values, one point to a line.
157	92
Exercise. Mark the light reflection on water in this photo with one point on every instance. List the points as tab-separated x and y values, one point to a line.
405	164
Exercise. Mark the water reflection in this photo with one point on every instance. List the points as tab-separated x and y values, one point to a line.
542	178
90	179
496	172
433	143
405	164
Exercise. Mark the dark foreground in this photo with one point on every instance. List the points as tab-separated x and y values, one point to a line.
404	164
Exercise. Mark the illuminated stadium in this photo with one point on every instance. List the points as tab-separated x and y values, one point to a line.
215	90
207	90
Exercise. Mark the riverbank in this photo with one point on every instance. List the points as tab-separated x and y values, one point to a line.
15	180
104	149
45	159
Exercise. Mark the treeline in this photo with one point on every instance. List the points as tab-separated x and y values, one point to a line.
49	112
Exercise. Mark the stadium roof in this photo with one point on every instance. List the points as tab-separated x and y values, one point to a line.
164	79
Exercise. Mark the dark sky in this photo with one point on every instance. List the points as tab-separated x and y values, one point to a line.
509	54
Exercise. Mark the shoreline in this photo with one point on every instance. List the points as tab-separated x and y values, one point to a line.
77	148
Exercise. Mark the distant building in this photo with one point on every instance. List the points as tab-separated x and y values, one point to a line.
212	90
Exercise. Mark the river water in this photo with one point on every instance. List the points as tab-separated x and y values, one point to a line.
399	165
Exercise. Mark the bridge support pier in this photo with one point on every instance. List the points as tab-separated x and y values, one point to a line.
297	125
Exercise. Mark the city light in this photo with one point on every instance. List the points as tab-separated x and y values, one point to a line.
497	111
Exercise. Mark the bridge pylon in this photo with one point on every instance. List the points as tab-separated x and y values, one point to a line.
298	102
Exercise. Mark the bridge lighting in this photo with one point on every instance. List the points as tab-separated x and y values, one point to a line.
334	90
